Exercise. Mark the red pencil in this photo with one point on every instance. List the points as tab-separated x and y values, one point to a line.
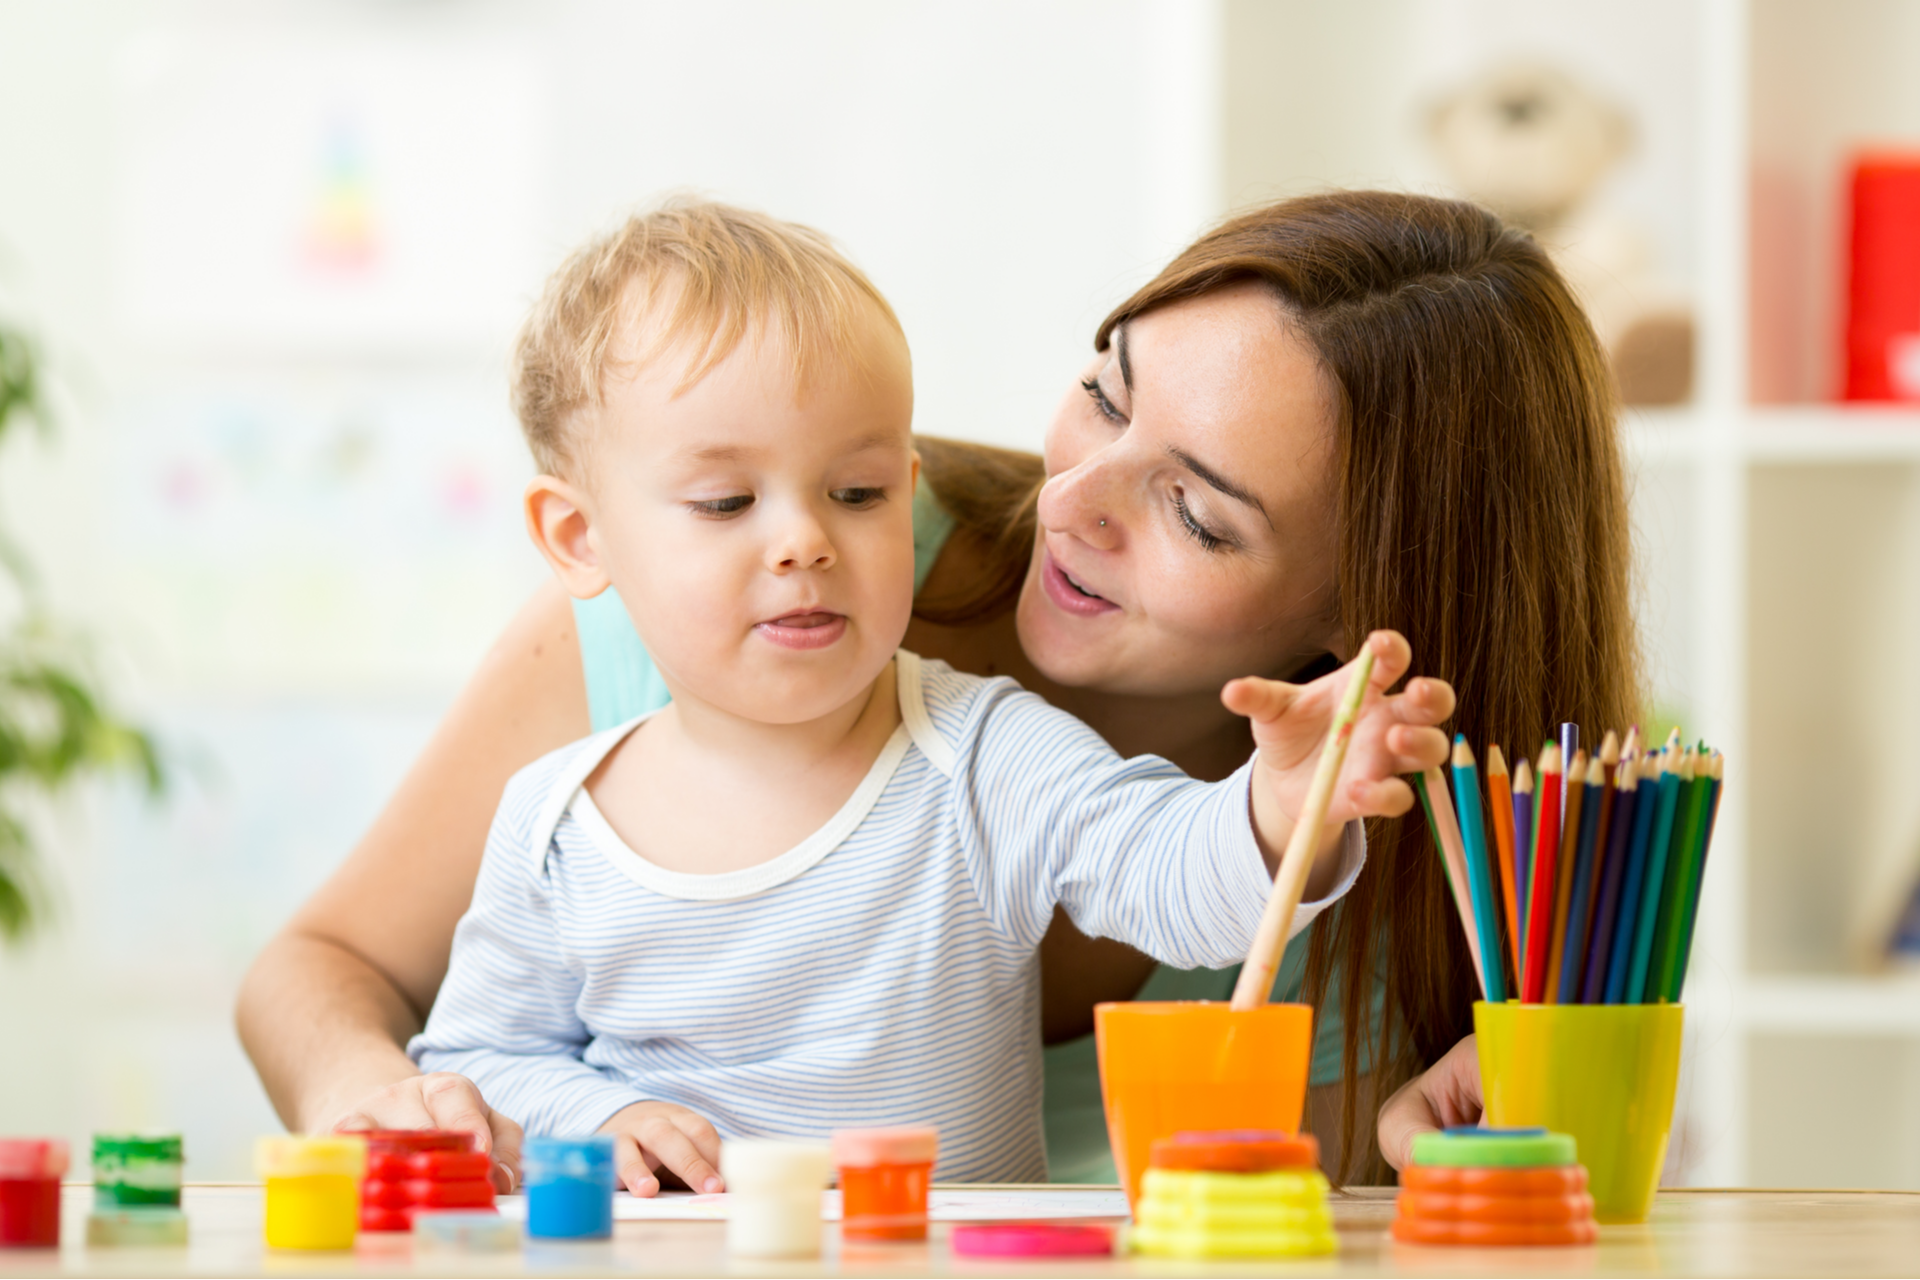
1540	878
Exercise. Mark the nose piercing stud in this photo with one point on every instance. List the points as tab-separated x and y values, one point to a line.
1103	524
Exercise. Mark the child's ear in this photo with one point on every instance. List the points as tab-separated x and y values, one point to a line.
560	526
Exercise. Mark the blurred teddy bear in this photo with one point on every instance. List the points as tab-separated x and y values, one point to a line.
1532	144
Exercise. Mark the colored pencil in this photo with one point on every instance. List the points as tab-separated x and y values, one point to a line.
1610	754
1546	851
1522	855
1574	947
1500	818
1646	803
1480	880
1569	748
1574	784
1717	779
1606	912
1655	883
1685	875
1609	762
1454	855
1255	984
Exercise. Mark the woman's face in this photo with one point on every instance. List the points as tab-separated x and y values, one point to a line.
1186	526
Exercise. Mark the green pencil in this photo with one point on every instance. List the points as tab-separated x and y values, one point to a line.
1681	879
1655	883
1710	807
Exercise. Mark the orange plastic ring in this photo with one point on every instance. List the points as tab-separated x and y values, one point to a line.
1228	1153
1538	1210
1565	1180
1423	1231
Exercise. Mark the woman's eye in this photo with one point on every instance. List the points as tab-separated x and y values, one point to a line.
1102	405
1206	537
858	498
732	506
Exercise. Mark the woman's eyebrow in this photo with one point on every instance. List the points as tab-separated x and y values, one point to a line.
1215	480
1126	365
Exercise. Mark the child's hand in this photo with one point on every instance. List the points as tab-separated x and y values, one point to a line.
649	1136
1392	736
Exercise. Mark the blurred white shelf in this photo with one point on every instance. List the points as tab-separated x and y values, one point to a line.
1833	433
1838	1004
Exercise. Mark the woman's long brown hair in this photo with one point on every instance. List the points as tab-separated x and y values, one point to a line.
1481	510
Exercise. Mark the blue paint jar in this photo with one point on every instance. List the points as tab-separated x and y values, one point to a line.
569	1187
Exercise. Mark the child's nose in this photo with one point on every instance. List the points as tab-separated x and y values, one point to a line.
803	544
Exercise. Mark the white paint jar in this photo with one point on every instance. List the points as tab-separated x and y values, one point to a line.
773	1196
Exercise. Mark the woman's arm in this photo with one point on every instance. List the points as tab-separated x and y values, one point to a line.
329	1004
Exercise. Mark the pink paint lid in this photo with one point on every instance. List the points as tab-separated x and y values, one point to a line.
863	1148
33	1157
1032	1240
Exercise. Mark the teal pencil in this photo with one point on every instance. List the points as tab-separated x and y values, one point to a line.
1715	775
1473	834
1668	918
1655	882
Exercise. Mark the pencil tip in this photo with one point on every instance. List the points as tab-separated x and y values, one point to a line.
1610	748
1496	762
1462	753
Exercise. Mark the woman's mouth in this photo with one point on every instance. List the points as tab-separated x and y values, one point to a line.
1069	595
812	629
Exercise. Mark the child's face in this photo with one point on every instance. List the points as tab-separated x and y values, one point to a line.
761	535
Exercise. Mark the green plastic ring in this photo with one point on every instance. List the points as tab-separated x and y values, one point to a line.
1494	1149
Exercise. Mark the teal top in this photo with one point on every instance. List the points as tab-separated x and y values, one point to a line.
622	683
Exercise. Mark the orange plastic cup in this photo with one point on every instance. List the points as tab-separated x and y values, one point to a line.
1171	1066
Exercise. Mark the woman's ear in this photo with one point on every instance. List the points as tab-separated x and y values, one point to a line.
561	526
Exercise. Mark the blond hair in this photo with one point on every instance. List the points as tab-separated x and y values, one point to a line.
726	270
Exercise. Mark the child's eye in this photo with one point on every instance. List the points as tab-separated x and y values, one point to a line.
719	507
858	498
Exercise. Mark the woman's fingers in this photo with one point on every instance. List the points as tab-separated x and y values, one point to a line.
678	1152
400	1105
630	1166
507	1136
454	1102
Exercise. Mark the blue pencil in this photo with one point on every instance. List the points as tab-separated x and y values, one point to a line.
1653	888
1473	834
1575	942
1613	874
1647	802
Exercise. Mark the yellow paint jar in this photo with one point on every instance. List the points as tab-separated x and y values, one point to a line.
313	1189
1605	1073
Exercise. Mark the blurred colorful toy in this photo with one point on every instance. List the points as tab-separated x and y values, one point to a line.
313	1189
884	1175
1471	1186
1234	1194
136	1190
30	1171
413	1169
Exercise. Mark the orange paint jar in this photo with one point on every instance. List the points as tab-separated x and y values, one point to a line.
884	1176
1197	1064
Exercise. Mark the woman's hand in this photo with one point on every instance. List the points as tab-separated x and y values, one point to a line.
443	1100
1445	1094
1392	735
649	1136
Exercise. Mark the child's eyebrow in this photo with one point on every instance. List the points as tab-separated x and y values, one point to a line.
739	453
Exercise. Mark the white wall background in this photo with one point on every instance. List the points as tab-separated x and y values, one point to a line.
284	494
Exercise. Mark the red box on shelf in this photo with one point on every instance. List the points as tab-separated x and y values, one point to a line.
1883	279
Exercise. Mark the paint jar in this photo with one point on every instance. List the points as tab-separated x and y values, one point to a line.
1605	1074
569	1187
883	1181
136	1190
30	1172
773	1196
313	1189
1197	1065
1234	1194
413	1169
1493	1187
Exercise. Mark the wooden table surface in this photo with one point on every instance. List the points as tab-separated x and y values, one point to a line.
1691	1233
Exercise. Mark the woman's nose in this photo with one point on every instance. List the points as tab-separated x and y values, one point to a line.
1081	502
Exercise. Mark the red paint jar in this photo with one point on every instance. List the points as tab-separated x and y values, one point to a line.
413	1169
884	1175
30	1171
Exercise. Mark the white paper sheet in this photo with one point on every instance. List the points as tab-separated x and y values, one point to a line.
944	1204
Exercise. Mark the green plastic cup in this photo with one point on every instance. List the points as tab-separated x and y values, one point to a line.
1604	1073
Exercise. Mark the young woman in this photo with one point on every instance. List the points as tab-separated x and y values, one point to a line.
1329	415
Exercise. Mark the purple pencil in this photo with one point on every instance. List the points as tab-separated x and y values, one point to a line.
1522	841
1619	836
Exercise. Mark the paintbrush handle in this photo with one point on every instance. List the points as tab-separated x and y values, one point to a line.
1290	881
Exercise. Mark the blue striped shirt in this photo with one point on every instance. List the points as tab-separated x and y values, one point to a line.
882	972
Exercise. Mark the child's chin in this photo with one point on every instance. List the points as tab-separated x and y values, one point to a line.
798	697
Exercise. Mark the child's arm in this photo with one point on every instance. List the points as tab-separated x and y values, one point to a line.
1392	736
1136	850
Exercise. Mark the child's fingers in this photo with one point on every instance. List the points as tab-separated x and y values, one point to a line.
1424	701
630	1166
1392	655
1414	748
674	1149
1380	797
1259	699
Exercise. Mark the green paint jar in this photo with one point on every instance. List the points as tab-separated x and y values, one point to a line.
132	1171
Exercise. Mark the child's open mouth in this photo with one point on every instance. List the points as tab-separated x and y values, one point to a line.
815	629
